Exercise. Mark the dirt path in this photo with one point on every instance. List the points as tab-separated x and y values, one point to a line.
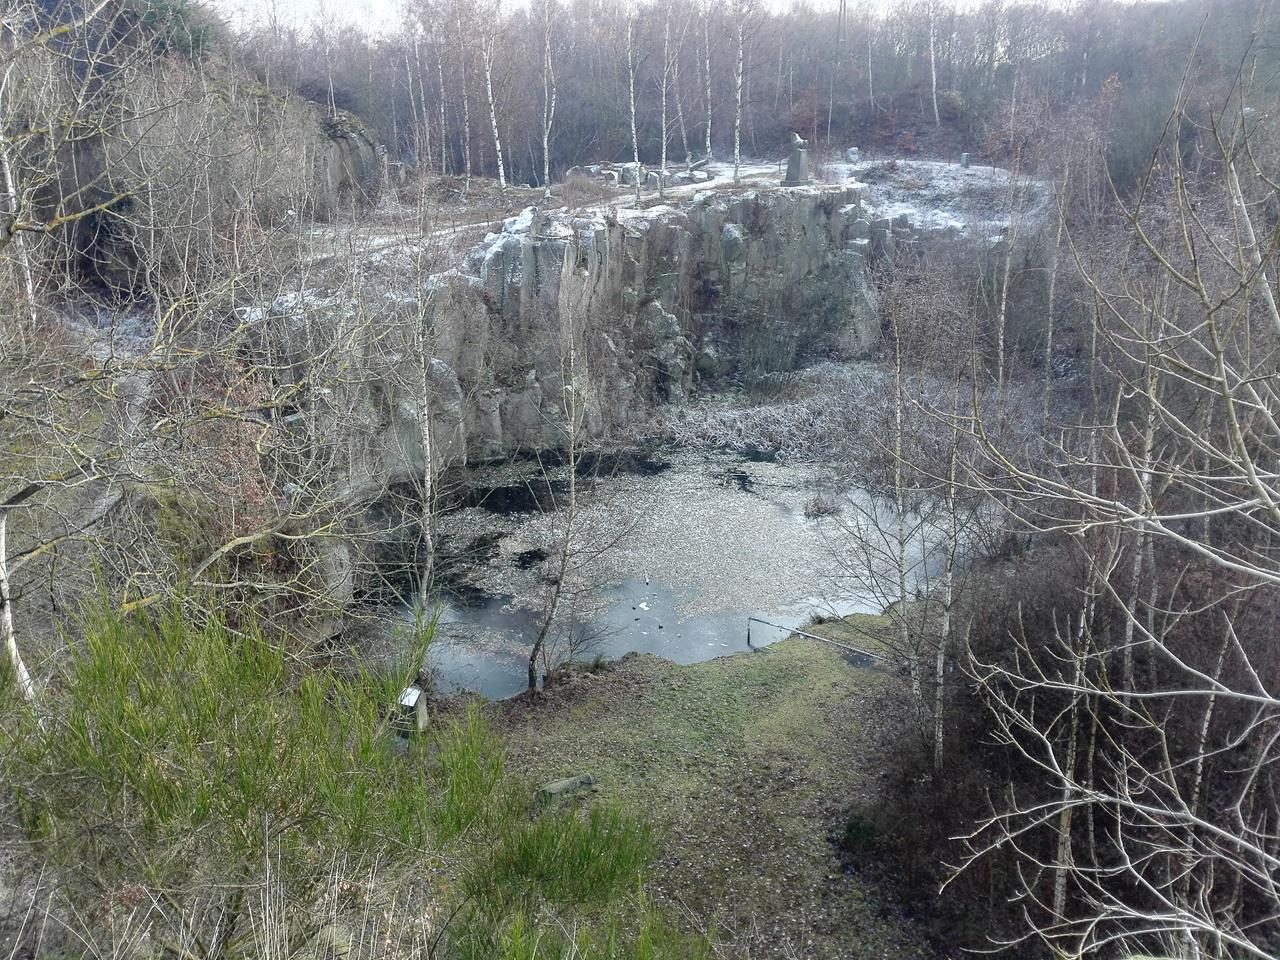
746	764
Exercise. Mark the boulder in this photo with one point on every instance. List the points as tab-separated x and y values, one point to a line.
631	173
733	245
558	790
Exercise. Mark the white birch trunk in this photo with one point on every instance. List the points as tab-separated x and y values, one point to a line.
666	71
466	103
486	50
548	98
21	676
1255	257
11	209
444	117
738	72
1053	289
871	85
706	71
684	130
422	122
631	94
933	62
951	547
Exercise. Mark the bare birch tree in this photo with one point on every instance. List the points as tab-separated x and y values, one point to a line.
548	93
1152	693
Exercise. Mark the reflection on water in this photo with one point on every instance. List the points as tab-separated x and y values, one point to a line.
639	617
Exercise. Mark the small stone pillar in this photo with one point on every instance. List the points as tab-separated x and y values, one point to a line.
798	162
964	160
853	155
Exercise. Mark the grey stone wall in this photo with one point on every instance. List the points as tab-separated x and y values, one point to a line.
659	304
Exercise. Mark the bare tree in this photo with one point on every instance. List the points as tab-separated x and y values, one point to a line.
548	94
631	96
1151	694
21	676
486	53
706	71
743	20
666	81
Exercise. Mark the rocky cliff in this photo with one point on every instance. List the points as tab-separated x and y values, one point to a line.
656	303
151	174
618	312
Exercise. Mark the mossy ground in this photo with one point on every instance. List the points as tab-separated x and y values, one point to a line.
745	765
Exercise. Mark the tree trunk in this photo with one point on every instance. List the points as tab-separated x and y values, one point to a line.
548	98
951	548
422	122
900	522
684	130
1053	288
871	83
738	72
631	94
486	50
706	70
427	517
444	118
1262	281
21	677
466	102
1062	861
11	210
1011	238
933	62
569	373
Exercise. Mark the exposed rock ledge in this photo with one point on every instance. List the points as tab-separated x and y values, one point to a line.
657	303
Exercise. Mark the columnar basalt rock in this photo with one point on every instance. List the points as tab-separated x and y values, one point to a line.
627	311
648	298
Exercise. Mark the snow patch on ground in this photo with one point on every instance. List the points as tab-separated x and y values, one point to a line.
941	197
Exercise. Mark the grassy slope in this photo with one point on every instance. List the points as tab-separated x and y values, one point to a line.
745	763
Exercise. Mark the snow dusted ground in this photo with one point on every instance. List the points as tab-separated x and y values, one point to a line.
451	234
935	196
941	197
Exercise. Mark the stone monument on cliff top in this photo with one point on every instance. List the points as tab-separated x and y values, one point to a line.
798	162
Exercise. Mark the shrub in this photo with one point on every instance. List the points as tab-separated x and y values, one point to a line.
468	769
173	762
189	743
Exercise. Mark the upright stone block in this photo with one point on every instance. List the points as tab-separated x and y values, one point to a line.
797	163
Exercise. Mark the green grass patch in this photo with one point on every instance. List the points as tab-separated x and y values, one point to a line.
747	766
567	858
195	767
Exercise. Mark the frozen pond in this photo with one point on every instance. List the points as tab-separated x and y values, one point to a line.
671	559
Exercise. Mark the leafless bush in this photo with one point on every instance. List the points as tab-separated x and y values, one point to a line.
580	190
821	505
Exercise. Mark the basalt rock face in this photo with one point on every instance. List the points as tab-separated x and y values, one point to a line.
634	311
604	317
350	165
